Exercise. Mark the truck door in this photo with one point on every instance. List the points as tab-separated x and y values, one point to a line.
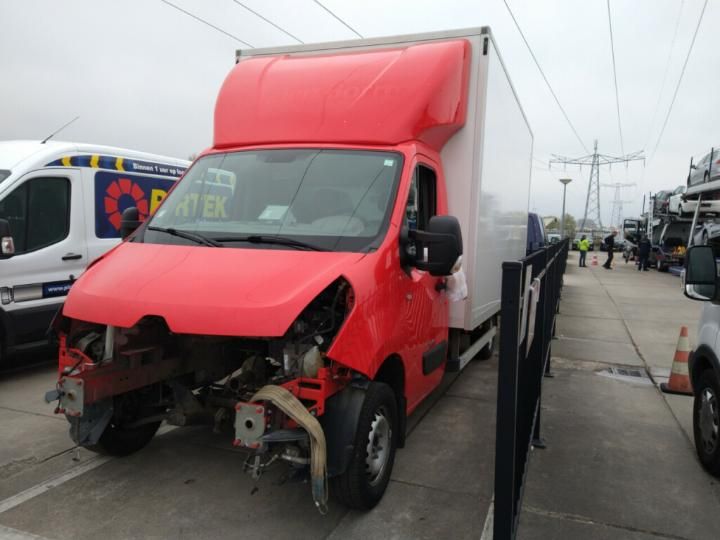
425	309
44	210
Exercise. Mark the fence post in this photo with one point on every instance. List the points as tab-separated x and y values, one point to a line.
506	429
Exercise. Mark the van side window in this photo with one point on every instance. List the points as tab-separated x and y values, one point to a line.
38	212
422	200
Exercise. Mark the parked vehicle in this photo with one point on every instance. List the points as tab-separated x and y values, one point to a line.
535	233
670	247
312	315
706	170
61	203
553	238
677	204
661	201
578	237
701	283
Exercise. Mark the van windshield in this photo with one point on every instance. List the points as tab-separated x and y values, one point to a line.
338	200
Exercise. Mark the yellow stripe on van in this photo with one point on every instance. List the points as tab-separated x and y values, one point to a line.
66	161
94	161
119	164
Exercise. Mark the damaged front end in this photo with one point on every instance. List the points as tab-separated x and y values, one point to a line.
116	385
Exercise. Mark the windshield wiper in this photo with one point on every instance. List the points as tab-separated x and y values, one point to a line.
267	239
195	237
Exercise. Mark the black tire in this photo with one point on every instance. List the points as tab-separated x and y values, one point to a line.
487	351
359	487
706	421
120	441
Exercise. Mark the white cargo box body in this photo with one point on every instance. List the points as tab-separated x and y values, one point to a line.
487	166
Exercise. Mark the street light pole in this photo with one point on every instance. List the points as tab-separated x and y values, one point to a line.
564	182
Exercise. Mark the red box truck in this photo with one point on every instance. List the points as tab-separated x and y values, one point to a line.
292	289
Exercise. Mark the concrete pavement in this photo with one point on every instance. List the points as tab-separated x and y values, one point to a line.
620	461
189	483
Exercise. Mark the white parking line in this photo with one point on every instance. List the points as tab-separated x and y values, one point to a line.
8	533
39	489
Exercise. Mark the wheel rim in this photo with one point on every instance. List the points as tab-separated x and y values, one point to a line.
378	447
709	420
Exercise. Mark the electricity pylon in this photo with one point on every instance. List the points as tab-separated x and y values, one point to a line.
595	160
616	217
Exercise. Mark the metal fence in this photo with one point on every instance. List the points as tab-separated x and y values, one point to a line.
530	300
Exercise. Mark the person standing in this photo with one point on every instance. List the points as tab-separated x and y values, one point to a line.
583	246
643	253
610	244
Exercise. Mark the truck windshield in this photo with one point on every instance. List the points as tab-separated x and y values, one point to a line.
337	200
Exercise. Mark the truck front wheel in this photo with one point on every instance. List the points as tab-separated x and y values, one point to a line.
706	421
124	434
366	477
117	440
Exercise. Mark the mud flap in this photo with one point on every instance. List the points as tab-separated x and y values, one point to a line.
339	423
87	429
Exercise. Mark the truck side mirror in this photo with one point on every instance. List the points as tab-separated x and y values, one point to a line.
7	245
700	273
129	221
439	247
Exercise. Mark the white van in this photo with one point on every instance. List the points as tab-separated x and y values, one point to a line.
60	208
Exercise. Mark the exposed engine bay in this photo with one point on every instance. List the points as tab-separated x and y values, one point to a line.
265	392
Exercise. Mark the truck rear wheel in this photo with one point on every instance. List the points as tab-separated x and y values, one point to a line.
706	421
487	351
366	477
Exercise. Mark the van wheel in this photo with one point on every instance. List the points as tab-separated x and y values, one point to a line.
119	439
706	421
487	351
363	483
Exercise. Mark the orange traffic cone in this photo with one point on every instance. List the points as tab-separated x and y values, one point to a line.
679	382
594	261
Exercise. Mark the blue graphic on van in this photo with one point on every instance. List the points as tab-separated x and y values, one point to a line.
114	192
97	161
56	288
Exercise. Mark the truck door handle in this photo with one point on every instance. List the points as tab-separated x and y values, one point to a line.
71	257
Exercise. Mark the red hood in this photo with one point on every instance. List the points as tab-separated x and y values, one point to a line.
204	290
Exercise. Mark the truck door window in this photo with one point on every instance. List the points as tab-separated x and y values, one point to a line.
422	200
38	213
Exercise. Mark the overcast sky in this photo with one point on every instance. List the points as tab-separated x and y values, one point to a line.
142	75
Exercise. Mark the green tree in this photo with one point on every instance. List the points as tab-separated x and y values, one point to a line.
570	225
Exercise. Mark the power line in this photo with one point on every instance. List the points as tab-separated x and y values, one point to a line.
268	21
517	25
358	34
228	34
667	69
595	160
687	58
617	94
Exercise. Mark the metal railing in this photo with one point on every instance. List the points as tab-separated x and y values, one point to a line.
530	300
